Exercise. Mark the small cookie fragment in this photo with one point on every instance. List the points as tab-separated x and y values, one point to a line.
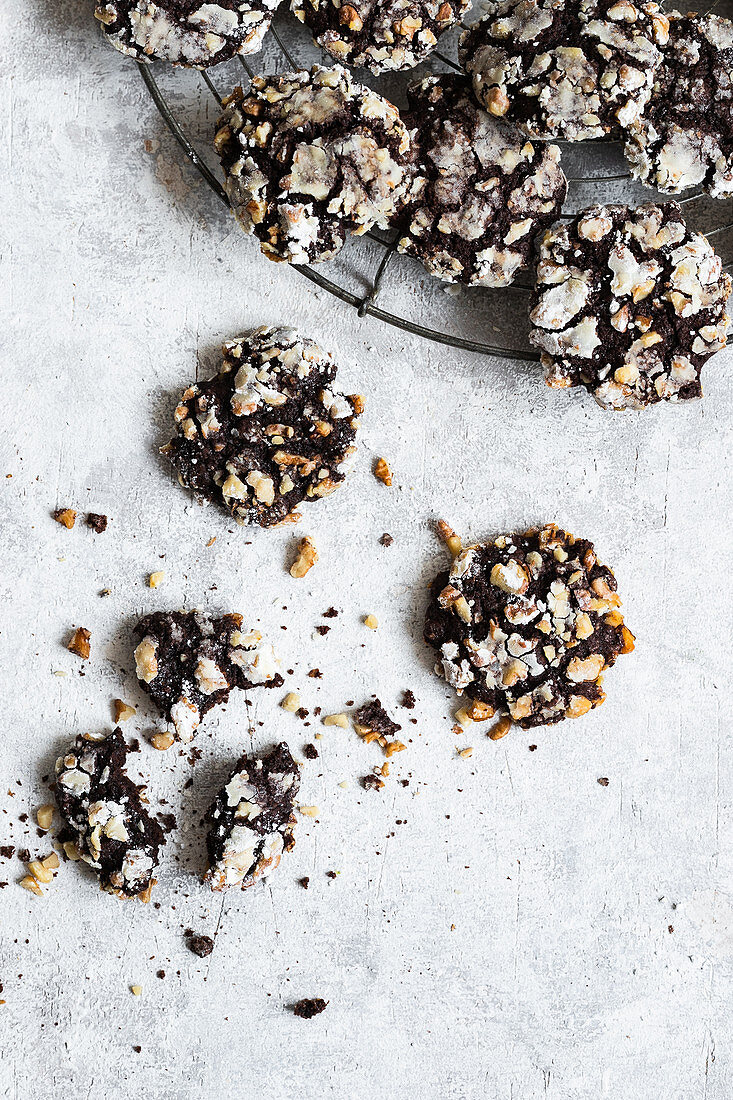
482	192
268	432
199	944
527	624
308	157
189	661
379	36
309	1007
186	32
629	303
685	135
112	830
372	723
573	69
251	820
97	522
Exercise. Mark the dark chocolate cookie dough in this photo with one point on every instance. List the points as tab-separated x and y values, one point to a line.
269	431
629	303
186	32
251	821
379	34
527	624
309	157
573	69
107	819
481	192
685	135
188	662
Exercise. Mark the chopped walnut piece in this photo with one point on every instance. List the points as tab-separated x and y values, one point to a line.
371	621
307	558
391	747
336	720
156	579
29	883
382	471
291	702
465	753
308	811
136	990
79	643
501	729
449	537
44	816
71	851
65	516
122	710
162	741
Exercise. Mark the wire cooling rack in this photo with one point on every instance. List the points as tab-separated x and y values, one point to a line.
510	302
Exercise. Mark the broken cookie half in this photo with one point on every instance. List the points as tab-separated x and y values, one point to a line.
189	661
108	826
251	820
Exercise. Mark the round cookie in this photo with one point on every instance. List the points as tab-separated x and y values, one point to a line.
309	156
186	32
268	431
527	624
573	69
685	135
379	35
482	191
628	303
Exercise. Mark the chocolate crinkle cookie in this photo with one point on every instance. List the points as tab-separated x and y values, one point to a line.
269	431
188	662
629	303
482	191
106	815
379	35
251	821
527	624
186	32
685	136
573	69
308	157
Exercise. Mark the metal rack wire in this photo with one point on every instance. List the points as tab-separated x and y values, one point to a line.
367	302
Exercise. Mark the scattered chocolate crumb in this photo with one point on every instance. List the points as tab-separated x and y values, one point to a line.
386	539
168	821
315	674
310	752
372	783
603	781
97	522
670	928
200	945
408	699
373	717
7	851
532	748
405	782
188	784
79	643
65	516
137	1049
323	630
24	855
304	882
330	614
160	974
332	874
309	1007
301	713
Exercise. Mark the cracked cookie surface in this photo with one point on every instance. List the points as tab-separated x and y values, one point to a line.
573	69
527	624
251	820
630	304
481	192
188	662
685	135
186	32
111	828
379	35
309	157
269	431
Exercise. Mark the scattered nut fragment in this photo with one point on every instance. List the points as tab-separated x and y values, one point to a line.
71	851
382	471
51	861
44	816
307	558
29	883
65	516
291	702
371	621
449	537
336	720
136	989
79	643
156	579
162	741
39	872
308	811
501	729
392	747
122	710
465	753
372	783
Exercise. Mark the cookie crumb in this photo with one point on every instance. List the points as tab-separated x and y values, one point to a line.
97	522
408	699
309	1007
603	781
310	752
200	945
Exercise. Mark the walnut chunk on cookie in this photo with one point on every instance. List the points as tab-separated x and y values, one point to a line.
269	431
105	814
629	303
251	820
527	624
188	662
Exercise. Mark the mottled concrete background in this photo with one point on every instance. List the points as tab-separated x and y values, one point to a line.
503	927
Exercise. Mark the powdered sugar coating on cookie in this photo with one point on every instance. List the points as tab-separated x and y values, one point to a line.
630	304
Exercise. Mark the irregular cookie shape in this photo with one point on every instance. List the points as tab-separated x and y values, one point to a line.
482	191
527	624
112	830
309	156
573	69
268	431
186	32
380	35
251	821
685	136
629	303
188	662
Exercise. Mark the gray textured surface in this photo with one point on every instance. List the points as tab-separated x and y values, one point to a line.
562	979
